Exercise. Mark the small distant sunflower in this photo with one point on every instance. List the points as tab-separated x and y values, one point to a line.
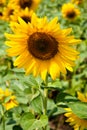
11	102
82	97
75	121
24	14
69	11
77	1
1	15
42	47
2	2
31	4
8	11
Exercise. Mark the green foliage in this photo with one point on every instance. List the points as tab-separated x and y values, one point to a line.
80	109
28	122
29	90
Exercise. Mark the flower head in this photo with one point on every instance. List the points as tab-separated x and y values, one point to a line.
31	4
77	1
42	47
82	97
25	14
2	2
75	121
69	11
11	102
8	11
1	94
1	15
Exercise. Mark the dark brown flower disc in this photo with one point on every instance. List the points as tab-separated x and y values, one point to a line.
25	3
26	19
71	14
42	46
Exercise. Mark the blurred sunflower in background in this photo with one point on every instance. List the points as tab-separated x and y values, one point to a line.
82	97
25	14
2	3
42	47
8	11
11	103
73	119
1	15
7	99
69	11
31	4
77	1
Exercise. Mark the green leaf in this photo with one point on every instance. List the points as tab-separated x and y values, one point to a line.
54	84
28	122
51	104
31	82
79	108
36	104
43	121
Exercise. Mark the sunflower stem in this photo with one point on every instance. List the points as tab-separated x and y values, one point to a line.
45	96
45	101
3	119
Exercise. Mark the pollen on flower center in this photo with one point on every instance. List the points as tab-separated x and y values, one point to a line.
26	19
71	14
25	3
42	46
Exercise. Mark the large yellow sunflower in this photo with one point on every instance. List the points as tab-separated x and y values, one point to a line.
42	47
31	4
69	11
75	121
24	14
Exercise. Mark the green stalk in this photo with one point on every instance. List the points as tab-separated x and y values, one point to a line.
3	118
45	97
45	101
3	122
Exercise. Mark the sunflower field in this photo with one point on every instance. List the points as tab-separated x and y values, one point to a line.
43	64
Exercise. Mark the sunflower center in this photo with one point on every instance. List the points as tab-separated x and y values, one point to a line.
11	12
71	14
1	14
25	3
26	19
42	46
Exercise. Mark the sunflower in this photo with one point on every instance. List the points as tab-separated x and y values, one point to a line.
2	2
69	11
1	15
75	121
1	94
82	97
24	14
42	47
11	102
8	11
77	1
31	4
